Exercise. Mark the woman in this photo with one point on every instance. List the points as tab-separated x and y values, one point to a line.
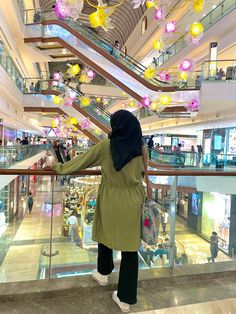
192	156
120	197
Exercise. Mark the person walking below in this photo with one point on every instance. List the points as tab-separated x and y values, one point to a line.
117	225
164	221
73	228
213	247
30	202
192	156
150	145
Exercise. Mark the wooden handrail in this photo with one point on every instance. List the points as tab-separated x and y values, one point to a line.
175	172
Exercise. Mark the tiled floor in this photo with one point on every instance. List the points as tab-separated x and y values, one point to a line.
227	306
23	249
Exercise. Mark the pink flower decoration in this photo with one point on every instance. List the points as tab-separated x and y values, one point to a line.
170	27
186	65
146	222
85	124
164	76
62	10
145	102
159	14
90	74
72	95
68	101
193	105
56	76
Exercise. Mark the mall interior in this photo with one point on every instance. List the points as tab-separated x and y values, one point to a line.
65	67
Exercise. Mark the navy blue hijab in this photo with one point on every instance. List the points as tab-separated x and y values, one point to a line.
125	138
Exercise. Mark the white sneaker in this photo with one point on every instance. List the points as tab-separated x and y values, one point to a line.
123	306
102	280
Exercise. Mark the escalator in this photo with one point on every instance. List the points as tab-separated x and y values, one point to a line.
124	71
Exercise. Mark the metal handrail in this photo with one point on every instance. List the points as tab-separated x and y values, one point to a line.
176	172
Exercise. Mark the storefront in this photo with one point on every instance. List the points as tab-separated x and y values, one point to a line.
216	211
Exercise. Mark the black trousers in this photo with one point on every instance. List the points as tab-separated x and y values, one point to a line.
128	276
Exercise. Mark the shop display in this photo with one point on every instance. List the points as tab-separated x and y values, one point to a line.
216	209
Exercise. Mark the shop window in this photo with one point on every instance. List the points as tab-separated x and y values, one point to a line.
144	24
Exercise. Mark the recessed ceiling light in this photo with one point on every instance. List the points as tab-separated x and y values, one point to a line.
214	6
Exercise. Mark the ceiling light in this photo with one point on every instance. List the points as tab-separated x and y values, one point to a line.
214	6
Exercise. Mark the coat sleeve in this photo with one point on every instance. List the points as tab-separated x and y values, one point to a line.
93	157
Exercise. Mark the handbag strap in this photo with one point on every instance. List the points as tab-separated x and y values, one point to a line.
145	162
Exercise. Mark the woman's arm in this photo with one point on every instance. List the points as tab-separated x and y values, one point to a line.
93	157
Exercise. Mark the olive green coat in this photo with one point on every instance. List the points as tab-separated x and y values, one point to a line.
120	197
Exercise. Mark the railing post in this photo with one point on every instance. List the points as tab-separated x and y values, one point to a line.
172	249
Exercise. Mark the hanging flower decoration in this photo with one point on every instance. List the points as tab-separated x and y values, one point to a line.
97	131
84	101
196	29
198	5
165	99
195	33
170	27
145	102
132	104
55	123
183	76
69	8
186	65
67	101
58	76
149	73
150	4
73	121
85	124
159	14
90	74
101	17
164	76
57	100
193	105
74	70
158	45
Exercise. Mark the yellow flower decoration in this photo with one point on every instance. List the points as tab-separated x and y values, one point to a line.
158	45
98	131
74	129
84	78
183	76
198	5
101	18
196	29
73	120
54	124
85	101
149	73
165	100
153	105
150	4
57	100
132	104
74	70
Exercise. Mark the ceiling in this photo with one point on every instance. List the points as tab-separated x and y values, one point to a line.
125	18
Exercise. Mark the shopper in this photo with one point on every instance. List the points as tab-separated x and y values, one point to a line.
117	224
25	141
213	247
150	145
30	202
73	228
199	154
164	221
116	50
32	89
192	156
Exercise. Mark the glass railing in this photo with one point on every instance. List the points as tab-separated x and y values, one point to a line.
219	70
224	8
194	204
54	30
185	159
10	155
10	67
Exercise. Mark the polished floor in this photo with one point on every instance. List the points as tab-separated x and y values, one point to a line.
23	252
227	306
